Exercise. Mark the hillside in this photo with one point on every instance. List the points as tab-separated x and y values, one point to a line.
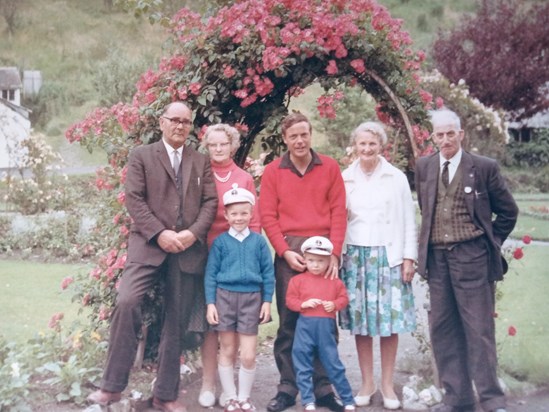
70	40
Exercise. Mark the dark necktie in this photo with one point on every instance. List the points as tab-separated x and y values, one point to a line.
445	175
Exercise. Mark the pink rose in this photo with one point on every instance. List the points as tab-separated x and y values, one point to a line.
66	282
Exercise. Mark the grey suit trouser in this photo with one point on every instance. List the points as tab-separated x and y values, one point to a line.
286	331
126	323
462	324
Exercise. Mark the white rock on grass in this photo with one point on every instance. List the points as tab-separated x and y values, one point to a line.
435	393
426	397
409	395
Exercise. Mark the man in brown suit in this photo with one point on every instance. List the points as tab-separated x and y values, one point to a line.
171	197
467	212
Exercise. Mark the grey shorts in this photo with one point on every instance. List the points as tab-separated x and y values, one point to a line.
237	311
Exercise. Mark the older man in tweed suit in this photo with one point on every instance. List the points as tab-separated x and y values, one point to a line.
460	255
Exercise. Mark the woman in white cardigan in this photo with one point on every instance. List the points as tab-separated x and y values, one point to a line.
378	260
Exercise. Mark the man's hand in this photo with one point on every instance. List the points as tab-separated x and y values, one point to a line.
333	268
311	303
329	306
294	260
169	242
211	314
187	238
408	270
265	313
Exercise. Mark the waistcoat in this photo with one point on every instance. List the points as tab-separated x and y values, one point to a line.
452	222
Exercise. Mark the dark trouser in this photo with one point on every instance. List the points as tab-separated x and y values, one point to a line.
316	335
179	289
286	329
462	324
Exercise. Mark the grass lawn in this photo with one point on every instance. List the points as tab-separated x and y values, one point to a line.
524	305
30	293
530	225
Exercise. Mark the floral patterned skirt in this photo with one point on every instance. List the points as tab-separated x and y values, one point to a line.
379	302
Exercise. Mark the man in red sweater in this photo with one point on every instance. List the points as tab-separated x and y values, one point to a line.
302	195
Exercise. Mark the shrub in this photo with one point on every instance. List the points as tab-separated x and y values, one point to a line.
534	154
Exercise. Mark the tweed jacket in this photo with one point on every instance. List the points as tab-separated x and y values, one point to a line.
154	203
486	195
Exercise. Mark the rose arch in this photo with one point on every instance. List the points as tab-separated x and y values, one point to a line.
242	66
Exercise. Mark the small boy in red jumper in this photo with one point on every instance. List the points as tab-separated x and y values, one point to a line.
317	298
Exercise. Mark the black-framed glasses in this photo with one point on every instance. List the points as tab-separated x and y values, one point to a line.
177	122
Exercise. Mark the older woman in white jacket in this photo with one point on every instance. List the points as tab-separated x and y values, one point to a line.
378	260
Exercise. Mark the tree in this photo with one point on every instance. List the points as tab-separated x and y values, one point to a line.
8	10
502	53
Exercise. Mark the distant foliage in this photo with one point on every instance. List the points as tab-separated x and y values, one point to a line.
354	107
116	76
38	188
9	10
534	153
502	53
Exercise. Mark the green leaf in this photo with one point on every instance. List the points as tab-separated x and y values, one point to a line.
62	397
75	389
201	100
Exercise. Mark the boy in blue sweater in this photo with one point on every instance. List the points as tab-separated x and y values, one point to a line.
239	284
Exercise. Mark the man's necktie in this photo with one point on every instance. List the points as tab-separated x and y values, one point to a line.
176	164
445	175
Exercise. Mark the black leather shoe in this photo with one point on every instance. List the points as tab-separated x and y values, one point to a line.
280	402
331	402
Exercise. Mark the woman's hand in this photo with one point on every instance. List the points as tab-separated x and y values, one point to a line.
408	270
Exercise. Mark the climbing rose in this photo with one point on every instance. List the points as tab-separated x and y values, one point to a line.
332	67
512	331
358	65
66	282
526	239
55	320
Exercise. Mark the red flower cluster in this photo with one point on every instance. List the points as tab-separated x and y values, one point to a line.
325	104
512	331
518	253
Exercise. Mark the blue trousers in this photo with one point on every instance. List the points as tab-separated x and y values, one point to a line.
317	336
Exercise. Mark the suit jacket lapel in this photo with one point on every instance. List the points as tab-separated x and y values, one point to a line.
187	166
433	172
468	180
164	159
